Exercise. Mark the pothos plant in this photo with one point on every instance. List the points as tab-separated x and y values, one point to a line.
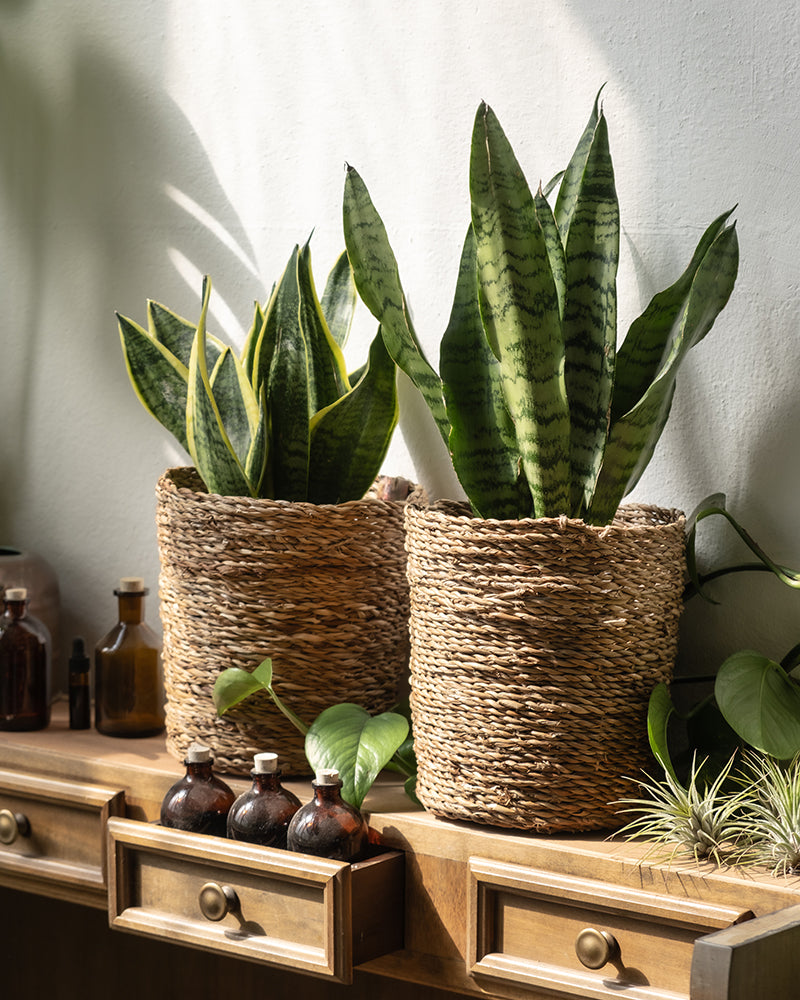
344	737
283	419
541	413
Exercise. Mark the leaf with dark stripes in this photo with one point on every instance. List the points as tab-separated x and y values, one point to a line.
519	307
209	445
591	254
378	283
339	300
483	443
350	437
633	435
571	179
251	342
177	334
326	371
236	402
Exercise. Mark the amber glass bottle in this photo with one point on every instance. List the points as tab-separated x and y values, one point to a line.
327	826
24	665
128	681
261	815
200	801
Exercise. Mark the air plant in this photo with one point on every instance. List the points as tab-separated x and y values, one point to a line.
768	823
699	820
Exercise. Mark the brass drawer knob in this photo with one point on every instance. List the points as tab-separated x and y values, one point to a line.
596	948
13	825
216	901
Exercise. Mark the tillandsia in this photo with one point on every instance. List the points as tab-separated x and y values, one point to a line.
540	411
698	820
283	419
768	823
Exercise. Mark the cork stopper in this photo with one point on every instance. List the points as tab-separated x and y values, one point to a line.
131	585
16	594
265	763
198	753
327	776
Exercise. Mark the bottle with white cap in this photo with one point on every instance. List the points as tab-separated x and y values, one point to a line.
128	678
200	801
261	814
24	665
327	826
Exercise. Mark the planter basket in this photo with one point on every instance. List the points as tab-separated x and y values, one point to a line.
319	588
535	645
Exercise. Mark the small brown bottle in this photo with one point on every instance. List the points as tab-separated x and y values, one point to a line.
327	826
261	815
200	801
24	666
129	685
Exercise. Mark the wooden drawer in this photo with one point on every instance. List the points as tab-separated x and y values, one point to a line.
53	836
285	909
526	926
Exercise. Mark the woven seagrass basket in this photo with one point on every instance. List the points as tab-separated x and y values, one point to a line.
535	645
321	589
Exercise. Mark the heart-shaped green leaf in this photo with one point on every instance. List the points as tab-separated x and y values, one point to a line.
760	702
356	744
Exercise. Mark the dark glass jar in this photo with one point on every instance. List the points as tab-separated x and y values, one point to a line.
128	679
200	801
261	815
327	826
24	665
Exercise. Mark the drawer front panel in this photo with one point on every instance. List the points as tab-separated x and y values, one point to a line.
57	835
527	928
285	909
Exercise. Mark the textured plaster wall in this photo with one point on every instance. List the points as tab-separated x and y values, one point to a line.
144	144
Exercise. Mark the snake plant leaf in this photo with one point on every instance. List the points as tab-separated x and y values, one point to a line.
251	342
632	436
177	334
236	401
519	308
256	466
482	438
347	738
349	438
339	300
591	253
209	445
378	282
555	248
157	376
573	175
327	374
287	385
760	702
648	339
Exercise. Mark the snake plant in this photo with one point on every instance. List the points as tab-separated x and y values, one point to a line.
284	419
542	414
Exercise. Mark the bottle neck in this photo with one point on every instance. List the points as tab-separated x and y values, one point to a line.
266	781
327	793
16	609
131	608
198	770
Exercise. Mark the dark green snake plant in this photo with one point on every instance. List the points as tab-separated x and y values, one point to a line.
283	419
541	412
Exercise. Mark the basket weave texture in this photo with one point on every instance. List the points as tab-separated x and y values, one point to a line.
535	645
321	589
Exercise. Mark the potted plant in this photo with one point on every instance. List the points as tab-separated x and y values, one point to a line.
542	611
269	546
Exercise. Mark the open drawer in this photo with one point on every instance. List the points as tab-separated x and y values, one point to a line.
52	836
277	907
532	930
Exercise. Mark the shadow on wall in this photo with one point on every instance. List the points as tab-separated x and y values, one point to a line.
97	184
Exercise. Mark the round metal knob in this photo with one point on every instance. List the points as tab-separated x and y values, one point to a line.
13	825
217	900
596	948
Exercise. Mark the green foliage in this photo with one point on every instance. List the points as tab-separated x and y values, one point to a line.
283	419
541	414
344	736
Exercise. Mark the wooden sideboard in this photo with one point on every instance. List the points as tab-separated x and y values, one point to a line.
96	896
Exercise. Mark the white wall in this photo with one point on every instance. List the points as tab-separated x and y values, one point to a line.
143	144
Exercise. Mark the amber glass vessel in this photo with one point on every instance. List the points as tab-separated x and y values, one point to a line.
24	665
261	815
327	826
128	679
200	801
